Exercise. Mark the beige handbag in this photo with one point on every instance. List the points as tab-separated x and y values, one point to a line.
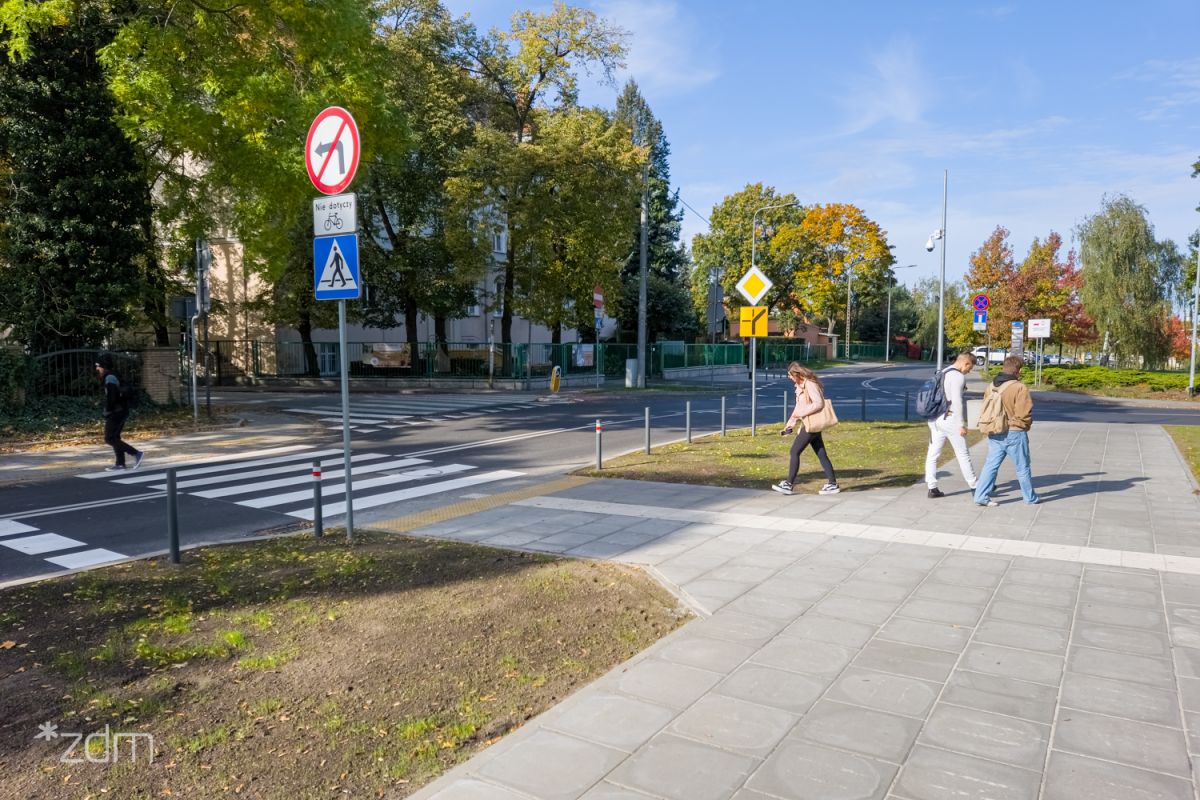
820	420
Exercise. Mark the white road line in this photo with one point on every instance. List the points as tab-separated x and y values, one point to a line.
86	558
301	469
356	420
227	465
334	509
268	451
299	479
8	527
42	543
370	483
116	501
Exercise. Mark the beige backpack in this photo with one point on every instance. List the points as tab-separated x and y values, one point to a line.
993	419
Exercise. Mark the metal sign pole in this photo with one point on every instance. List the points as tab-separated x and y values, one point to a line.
345	369
753	386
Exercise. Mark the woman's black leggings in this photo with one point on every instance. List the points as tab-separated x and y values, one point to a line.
804	439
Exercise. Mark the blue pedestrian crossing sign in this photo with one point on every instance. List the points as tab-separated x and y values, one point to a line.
335	268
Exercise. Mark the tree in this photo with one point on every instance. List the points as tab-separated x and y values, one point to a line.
1123	286
958	321
991	271
518	69
75	251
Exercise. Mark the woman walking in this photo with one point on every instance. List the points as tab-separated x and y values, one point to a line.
810	398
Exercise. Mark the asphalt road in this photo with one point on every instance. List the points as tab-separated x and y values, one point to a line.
416	452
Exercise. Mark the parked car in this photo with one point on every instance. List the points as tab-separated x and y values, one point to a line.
982	356
1059	360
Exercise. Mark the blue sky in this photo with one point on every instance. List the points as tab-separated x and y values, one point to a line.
1036	109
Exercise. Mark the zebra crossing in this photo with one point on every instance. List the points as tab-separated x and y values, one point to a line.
62	551
283	481
370	415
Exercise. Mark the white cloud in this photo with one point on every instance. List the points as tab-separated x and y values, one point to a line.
667	50
896	89
1176	84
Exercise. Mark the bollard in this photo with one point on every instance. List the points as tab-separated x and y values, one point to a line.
687	416
722	415
863	412
172	516
318	517
599	430
647	430
906	406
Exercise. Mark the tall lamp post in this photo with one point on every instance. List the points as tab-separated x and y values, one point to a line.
940	233
1195	307
887	336
754	339
849	273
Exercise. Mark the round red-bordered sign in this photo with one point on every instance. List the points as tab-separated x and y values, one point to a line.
981	302
331	150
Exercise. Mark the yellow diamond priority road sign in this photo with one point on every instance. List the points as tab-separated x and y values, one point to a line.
754	321
754	285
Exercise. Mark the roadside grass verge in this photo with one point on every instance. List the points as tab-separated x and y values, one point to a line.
1108	381
61	421
1187	439
865	455
296	668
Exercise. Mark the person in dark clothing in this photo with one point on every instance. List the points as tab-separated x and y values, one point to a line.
810	398
116	411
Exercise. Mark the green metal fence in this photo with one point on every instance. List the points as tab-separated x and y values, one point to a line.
678	355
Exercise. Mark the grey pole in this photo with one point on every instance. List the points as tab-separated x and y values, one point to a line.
942	284
647	430
753	351
687	416
318	516
643	260
722	415
172	516
346	418
849	275
887	333
1195	307
599	431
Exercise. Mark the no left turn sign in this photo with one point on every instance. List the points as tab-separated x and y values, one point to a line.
331	150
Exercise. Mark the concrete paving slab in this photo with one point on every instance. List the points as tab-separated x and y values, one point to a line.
676	768
1009	696
1073	777
800	769
860	730
1125	741
933	774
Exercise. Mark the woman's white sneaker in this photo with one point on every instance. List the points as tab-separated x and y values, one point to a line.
830	488
783	487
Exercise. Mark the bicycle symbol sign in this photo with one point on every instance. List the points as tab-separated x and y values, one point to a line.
334	215
981	302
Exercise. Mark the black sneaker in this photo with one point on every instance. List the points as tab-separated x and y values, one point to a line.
783	487
936	492
829	488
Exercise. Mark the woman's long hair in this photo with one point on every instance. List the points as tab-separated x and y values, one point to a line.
796	368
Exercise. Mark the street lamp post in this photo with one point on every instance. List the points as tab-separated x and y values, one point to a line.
754	339
1195	307
940	233
887	336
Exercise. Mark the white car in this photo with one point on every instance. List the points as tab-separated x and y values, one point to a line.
982	356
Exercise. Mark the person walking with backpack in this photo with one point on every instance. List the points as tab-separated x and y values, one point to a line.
116	411
810	398
949	423
1006	418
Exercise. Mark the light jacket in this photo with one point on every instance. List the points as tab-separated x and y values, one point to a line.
1017	402
809	400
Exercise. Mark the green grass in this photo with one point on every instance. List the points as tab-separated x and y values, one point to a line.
1187	439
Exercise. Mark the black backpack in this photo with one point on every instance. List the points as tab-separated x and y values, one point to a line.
130	395
932	402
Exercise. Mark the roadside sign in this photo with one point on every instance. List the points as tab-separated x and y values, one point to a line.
980	323
754	321
335	268
980	302
754	285
1018	337
331	150
335	215
598	298
1039	329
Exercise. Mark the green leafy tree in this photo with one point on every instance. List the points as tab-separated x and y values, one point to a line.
75	250
992	270
958	320
1125	276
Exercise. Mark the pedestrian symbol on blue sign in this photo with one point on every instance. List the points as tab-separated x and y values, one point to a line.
335	268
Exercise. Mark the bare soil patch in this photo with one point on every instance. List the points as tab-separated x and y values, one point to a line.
301	668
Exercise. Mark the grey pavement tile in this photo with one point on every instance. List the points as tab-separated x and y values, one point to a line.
736	725
906	659
835	559
568	540
1189	693
1011	663
817	573
1010	696
855	609
473	789
757	603
861	730
597	550
804	655
1122	640
1122	740
941	611
858	546
740	574
726	590
512	539
832	630
872	590
761	558
1192	720
793	587
609	719
992	736
908	556
939	636
716	655
1187	661
610	791
1121	666
733	627
933	774
775	688
551	766
1105	614
965	576
673	685
984	563
1044	616
804	771
1037	595
1025	636
895	694
1053	580
750	794
1120	699
1121	578
1072	777
907	577
681	769
1118	596
950	593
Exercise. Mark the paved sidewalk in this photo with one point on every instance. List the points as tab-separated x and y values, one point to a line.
881	644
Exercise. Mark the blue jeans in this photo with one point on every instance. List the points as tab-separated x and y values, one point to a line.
1016	445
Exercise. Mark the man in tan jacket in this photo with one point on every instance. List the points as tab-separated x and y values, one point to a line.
1018	407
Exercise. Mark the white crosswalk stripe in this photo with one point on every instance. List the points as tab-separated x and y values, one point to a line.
417	410
43	544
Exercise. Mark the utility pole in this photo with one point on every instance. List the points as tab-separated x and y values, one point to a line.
643	258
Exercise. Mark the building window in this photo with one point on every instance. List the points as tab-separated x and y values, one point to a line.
473	311
497	242
498	304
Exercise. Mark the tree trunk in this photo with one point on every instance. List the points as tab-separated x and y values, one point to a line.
442	359
311	366
414	341
506	316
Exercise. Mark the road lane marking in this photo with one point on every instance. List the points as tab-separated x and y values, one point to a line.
335	509
86	558
158	474
370	483
267	451
337	474
41	543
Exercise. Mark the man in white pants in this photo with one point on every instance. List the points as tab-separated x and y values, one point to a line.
952	426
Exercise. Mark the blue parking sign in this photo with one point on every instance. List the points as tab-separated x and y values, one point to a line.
335	268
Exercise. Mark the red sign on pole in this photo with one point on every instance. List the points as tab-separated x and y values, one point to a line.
331	150
980	302
598	297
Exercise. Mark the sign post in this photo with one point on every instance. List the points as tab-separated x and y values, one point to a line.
598	304
331	153
754	286
1018	337
1039	329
